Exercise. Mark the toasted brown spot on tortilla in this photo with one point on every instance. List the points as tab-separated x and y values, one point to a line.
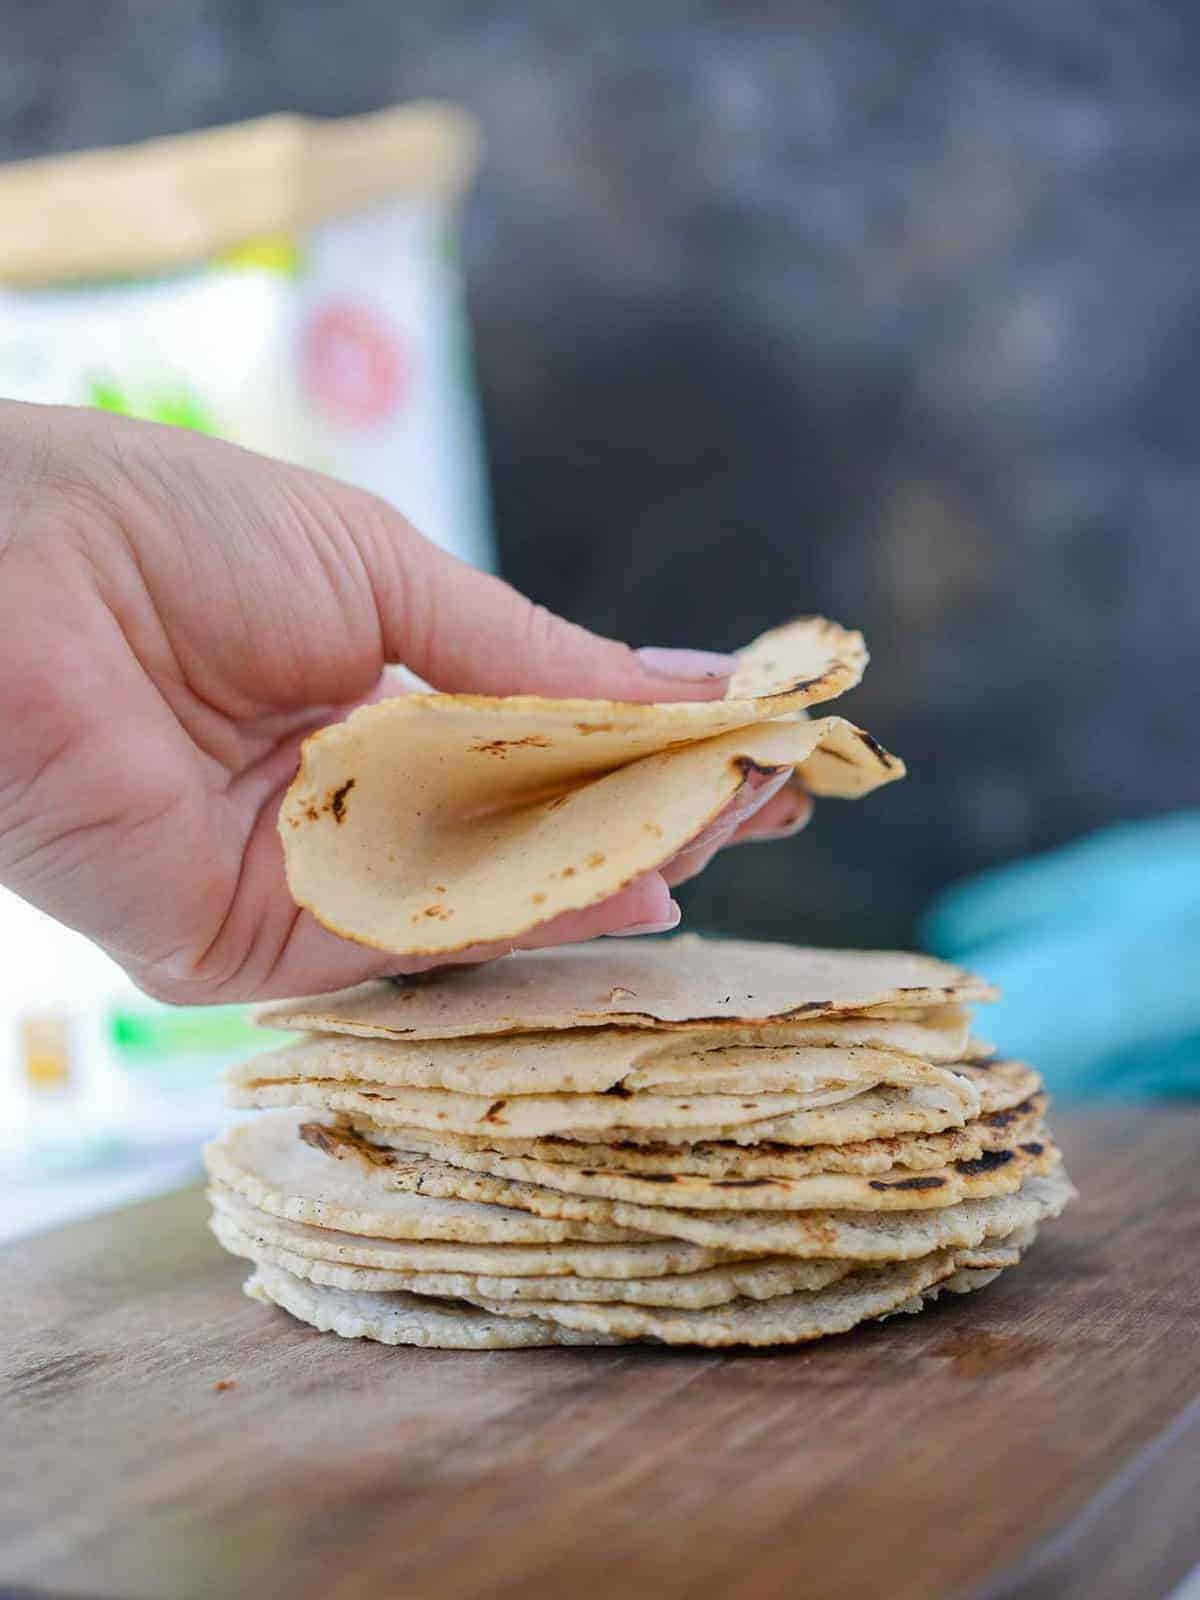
653	829
538	899
594	727
501	747
492	1114
441	912
312	813
907	1183
337	800
596	859
559	800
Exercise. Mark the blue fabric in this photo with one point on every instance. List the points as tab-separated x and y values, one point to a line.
1097	950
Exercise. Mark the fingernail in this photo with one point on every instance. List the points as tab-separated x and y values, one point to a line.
637	928
716	833
785	830
692	666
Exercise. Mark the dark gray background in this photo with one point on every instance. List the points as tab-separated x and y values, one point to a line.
890	311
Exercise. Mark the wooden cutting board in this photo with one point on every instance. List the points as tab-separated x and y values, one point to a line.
165	1437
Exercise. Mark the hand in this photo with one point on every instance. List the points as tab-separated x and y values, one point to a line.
176	614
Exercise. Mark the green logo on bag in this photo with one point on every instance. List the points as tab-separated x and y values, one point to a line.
176	404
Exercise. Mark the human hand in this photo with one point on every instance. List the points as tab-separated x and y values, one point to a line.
176	615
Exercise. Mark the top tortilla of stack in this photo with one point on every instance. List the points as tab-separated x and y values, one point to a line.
680	983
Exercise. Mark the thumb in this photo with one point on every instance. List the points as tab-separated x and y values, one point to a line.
462	630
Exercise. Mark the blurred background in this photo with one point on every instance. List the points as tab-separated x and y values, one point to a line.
891	313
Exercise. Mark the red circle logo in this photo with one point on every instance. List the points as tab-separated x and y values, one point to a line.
354	365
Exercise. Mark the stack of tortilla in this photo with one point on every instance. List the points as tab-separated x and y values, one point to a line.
696	1142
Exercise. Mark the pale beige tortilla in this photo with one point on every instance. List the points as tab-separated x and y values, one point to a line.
424	824
647	1259
881	1234
1003	1085
896	1188
683	982
268	1164
868	1115
767	1070
857	1235
753	1280
785	1319
585	1195
966	1280
593	1061
405	1318
915	1151
533	1116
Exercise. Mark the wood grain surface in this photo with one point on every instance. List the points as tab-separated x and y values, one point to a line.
165	1437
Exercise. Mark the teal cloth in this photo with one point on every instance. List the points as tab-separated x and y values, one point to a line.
1096	948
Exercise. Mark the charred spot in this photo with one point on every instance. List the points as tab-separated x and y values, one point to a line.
321	1138
1034	1148
743	1183
658	1177
831	674
501	747
908	1183
337	800
748	767
492	1114
619	1091
836	755
877	750
312	813
989	1161
340	1142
